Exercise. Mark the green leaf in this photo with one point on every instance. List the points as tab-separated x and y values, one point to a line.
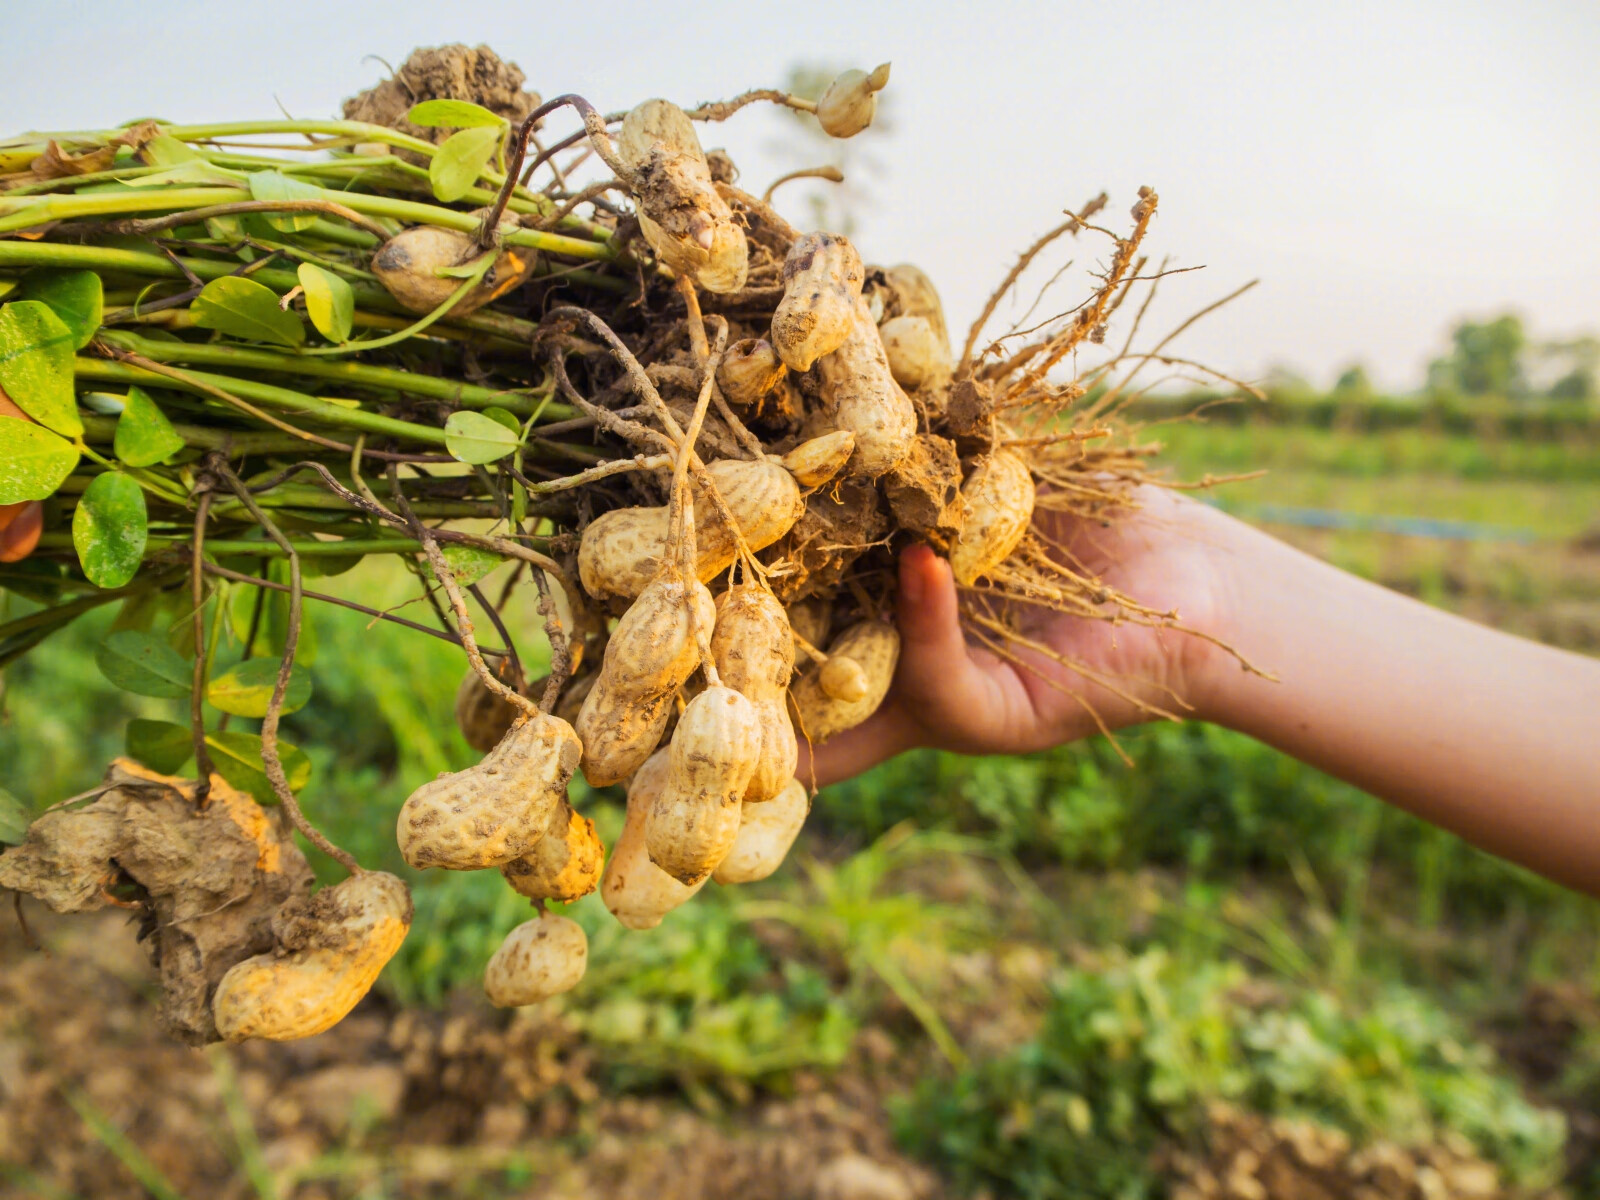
159	745
330	302
243	308
144	436
237	758
275	186
503	416
36	350
274	624
15	816
74	296
325	566
109	529
457	163
452	114
33	461
246	688
469	563
472	437
145	664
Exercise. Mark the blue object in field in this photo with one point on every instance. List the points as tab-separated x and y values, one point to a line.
1327	518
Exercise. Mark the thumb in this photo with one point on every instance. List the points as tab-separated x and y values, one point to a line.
937	676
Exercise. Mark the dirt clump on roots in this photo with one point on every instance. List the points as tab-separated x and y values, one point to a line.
203	882
453	72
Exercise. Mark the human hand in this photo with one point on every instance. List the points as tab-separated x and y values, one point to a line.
1173	554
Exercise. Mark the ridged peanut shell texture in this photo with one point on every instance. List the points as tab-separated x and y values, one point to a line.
695	818
565	865
999	495
766	831
814	462
497	810
875	647
748	371
859	394
407	266
649	656
331	947
638	892
620	552
822	277
539	959
754	652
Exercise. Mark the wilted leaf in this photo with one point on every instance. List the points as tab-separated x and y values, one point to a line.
452	114
246	688
145	664
74	296
469	563
33	461
36	350
457	163
276	186
237	758
472	437
144	436
330	302
56	163
243	308
109	529
159	745
15	817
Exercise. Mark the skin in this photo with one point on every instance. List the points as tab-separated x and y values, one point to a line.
1490	736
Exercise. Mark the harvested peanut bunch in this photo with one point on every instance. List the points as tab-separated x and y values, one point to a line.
553	347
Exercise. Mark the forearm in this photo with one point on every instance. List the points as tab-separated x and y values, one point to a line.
1491	736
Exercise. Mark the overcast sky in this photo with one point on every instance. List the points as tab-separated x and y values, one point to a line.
1384	168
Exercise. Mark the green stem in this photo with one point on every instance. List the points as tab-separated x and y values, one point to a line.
143	478
23	254
392	379
289	495
308	548
417	326
99	370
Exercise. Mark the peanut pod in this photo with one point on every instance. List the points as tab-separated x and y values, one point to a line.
621	551
754	652
859	394
681	214
638	892
917	358
330	948
874	646
814	462
910	293
766	831
715	751
748	371
650	655
999	494
497	810
409	263
851	101
564	865
539	959
822	277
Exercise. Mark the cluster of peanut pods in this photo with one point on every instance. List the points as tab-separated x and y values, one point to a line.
694	699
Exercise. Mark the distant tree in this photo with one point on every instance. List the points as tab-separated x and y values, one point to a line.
1573	367
1485	359
1354	385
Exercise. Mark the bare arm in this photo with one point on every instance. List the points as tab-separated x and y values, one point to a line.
1488	735
1491	736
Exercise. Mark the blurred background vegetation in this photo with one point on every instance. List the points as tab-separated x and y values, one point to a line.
1046	976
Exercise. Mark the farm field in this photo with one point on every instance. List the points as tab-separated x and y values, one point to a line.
1047	976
